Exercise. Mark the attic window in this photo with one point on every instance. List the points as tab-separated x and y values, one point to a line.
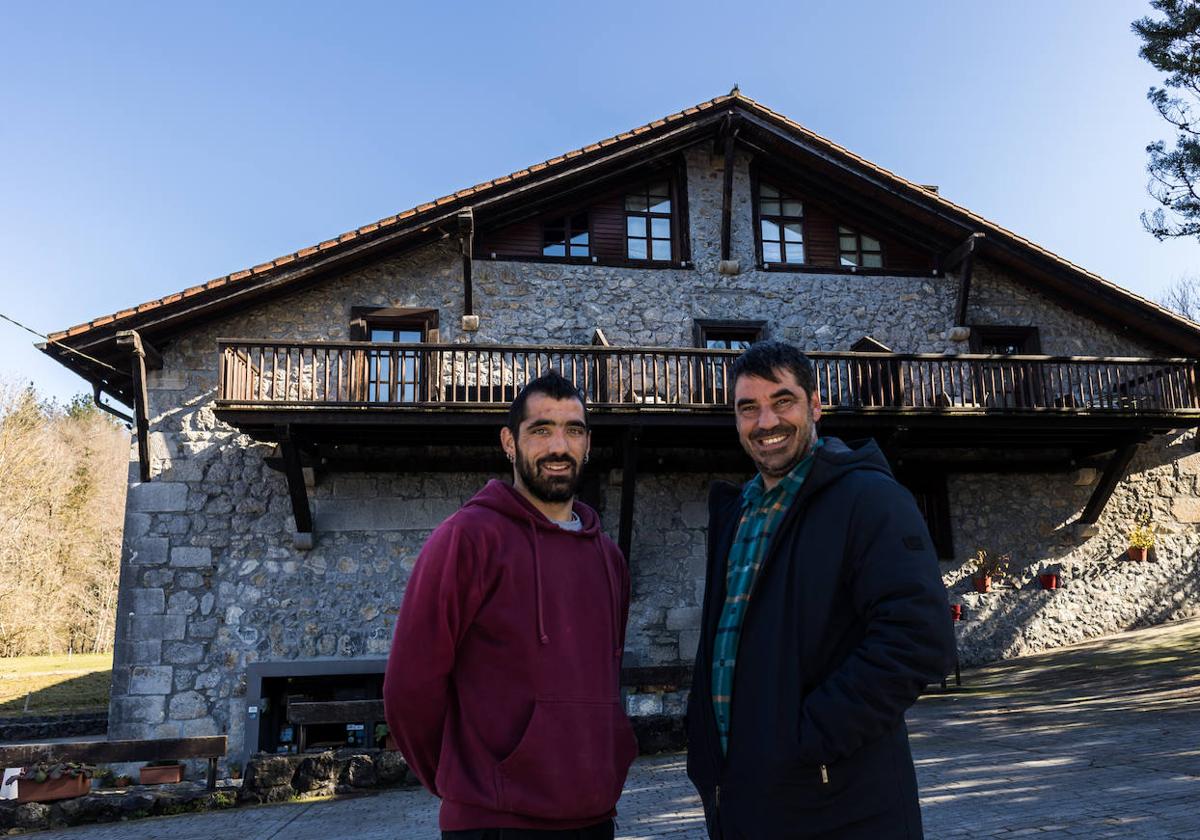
648	222
781	225
858	249
566	236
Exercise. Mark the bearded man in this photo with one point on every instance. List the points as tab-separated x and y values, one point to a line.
502	685
824	618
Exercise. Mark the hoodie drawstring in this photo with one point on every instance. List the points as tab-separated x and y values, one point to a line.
537	585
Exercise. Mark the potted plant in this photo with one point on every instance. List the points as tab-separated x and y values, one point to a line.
1048	579
1141	538
161	773
988	568
956	612
47	782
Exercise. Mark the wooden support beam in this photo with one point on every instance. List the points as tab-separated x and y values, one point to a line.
130	341
629	447
963	258
1111	476
466	239
729	131
295	480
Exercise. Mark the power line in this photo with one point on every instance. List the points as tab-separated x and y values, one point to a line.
50	340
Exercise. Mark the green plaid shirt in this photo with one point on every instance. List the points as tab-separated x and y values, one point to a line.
761	514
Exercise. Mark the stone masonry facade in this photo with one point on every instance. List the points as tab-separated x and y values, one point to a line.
212	581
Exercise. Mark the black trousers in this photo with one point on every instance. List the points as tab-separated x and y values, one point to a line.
600	831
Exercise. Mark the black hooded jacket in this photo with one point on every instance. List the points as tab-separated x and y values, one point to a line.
847	622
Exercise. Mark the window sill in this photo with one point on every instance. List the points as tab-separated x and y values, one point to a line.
606	262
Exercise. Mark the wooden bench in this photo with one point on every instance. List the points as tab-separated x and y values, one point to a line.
211	747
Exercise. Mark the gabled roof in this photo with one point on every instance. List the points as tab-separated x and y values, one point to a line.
760	128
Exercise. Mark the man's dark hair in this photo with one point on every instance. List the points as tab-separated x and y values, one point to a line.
766	357
555	386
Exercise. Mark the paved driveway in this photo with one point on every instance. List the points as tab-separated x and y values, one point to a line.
1098	740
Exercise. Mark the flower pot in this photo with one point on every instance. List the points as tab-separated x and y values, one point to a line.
1048	580
982	584
64	787
169	774
1138	555
956	612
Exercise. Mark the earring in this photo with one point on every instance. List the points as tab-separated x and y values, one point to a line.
511	458
586	455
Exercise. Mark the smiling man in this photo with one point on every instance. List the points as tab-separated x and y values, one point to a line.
502	684
824	618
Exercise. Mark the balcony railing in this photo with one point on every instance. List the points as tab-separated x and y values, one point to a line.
424	376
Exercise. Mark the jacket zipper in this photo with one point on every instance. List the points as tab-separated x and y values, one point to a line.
824	774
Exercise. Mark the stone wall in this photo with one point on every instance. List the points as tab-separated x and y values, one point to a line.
211	580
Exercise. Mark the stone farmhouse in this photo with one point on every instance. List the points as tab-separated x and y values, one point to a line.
302	425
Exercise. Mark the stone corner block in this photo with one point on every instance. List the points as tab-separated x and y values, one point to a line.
147	551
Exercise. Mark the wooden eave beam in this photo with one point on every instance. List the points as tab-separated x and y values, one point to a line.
629	451
729	131
963	258
466	238
130	341
294	471
1113	472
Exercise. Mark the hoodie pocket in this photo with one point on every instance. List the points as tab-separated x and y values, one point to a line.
570	763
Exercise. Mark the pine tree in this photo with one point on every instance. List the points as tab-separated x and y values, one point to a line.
1172	45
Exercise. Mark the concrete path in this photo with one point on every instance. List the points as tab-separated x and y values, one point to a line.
1098	740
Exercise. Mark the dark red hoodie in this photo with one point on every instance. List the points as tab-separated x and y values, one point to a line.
503	682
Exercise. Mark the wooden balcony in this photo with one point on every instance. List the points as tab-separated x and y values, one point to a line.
420	378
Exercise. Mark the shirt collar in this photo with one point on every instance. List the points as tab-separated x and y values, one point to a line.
755	491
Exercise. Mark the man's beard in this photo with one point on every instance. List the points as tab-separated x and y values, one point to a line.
806	436
549	487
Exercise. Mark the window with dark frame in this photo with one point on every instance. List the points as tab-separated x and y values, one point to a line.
566	236
711	376
781	225
858	249
648	222
929	490
393	374
1004	340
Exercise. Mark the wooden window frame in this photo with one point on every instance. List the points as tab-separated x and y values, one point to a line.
710	376
364	319
1028	336
756	181
702	326
1024	385
672	217
858	234
567	230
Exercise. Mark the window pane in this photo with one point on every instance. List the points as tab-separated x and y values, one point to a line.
716	344
795	253
848	243
382	335
869	244
793	232
635	226
637	248
845	231
793	208
771	252
413	336
768	191
770	231
769	208
636	202
662	249
739	344
580	238
579	250
872	260
660	228
555	250
849	259
660	205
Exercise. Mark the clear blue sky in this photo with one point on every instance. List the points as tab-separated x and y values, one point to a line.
147	147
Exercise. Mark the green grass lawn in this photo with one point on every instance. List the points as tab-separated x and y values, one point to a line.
54	684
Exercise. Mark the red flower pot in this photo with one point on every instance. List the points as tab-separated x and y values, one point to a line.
1048	580
982	584
168	774
956	612
1138	555
64	787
